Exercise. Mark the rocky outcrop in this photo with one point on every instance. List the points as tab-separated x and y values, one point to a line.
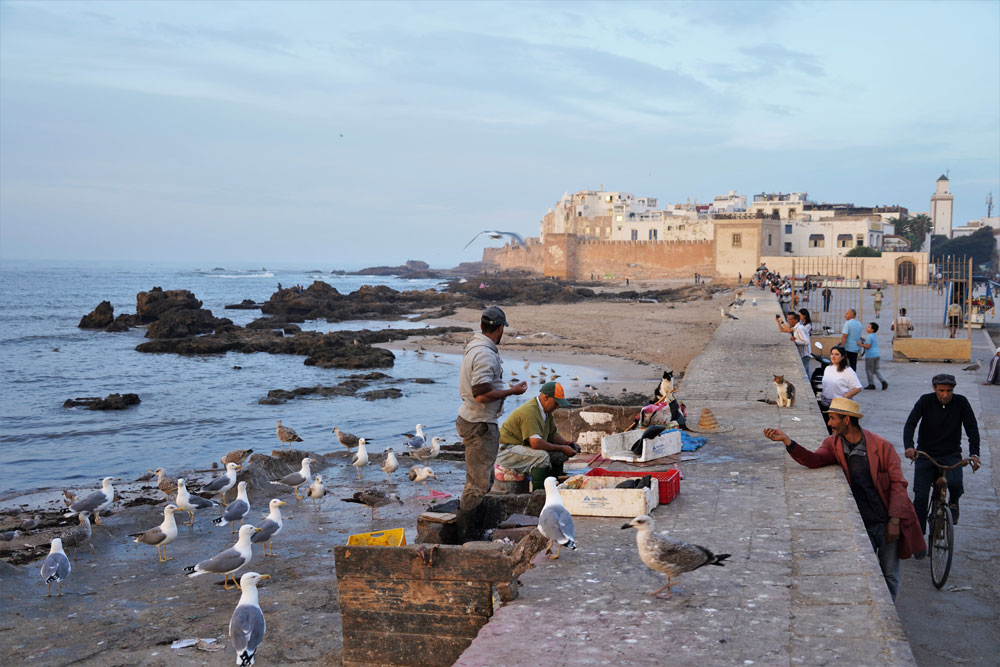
320	301
185	322
99	317
111	402
414	268
151	305
245	304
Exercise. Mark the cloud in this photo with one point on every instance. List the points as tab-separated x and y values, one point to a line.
766	60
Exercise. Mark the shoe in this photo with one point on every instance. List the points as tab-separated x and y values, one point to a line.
885	385
954	512
920	555
871	386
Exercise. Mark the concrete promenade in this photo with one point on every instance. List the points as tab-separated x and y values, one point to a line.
802	586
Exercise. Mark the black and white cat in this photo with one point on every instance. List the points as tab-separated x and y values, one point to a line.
665	389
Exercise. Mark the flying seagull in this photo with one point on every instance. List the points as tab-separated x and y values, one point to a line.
515	238
671	557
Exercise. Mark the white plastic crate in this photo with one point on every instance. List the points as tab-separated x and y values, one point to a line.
618	446
600	498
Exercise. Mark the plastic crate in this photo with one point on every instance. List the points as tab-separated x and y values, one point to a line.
601	498
669	480
384	538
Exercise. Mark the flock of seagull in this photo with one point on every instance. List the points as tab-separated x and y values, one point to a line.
247	626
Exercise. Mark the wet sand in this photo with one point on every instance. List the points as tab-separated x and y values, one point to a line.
122	607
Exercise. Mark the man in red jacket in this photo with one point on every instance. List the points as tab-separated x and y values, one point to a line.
875	475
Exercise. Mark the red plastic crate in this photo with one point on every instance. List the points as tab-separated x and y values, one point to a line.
669	480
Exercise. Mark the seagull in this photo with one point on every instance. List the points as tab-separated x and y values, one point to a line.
190	503
360	459
671	557
247	626
418	440
9	535
287	434
420	474
161	535
56	566
974	367
228	561
221	484
270	527
725	315
346	439
554	521
237	510
429	452
96	502
754	302
30	524
515	238
78	535
389	465
316	491
165	483
373	499
236	456
297	479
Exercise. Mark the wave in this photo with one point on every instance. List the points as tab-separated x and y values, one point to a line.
268	274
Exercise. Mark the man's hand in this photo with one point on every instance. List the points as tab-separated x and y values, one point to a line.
892	530
777	435
976	463
568	451
519	388
910	453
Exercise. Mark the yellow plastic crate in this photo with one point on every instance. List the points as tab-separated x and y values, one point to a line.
393	537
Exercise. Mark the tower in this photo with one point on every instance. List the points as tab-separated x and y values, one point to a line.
942	203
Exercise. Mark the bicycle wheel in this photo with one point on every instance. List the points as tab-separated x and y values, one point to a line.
942	545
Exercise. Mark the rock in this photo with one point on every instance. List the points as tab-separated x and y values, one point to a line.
245	304
99	317
376	394
151	305
184	322
111	402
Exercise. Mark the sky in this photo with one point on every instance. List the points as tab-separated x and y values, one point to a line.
352	134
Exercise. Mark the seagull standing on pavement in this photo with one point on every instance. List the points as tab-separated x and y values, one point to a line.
297	479
96	502
725	315
360	459
247	626
56	567
974	367
554	521
221	484
237	510
389	465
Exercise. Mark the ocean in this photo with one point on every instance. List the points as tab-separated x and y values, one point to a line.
194	409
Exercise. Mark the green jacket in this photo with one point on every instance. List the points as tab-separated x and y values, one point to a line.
526	421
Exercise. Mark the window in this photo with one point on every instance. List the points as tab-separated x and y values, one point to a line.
768	240
788	246
788	229
635	234
579	214
844	240
607	231
618	218
652	234
680	228
670	228
586	230
737	240
817	240
861	240
791	212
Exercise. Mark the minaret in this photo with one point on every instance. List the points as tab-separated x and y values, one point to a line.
942	203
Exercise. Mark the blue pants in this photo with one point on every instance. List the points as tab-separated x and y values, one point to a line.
923	481
888	556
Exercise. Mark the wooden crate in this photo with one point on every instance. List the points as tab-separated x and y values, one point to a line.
415	605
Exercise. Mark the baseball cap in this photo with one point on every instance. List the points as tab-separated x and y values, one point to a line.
944	378
555	390
494	316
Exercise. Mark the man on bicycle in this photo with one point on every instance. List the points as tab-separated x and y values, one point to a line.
875	475
941	415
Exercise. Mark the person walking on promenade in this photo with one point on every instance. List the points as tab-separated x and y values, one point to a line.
941	415
851	335
902	327
827	294
954	318
872	356
993	374
874	473
877	302
480	385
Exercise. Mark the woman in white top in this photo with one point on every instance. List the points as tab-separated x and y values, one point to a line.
839	379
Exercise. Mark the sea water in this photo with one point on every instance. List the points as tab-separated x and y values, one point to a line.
194	409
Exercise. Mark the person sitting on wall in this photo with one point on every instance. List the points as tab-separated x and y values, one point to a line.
529	442
902	327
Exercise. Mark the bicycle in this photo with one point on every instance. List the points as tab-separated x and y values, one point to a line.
942	528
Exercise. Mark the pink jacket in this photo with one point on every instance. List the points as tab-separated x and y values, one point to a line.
887	474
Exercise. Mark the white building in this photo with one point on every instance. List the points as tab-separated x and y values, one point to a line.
728	203
828	237
778	205
942	204
974	226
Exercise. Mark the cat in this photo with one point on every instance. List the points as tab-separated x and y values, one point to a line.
665	388
786	392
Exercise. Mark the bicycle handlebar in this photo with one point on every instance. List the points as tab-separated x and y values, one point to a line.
963	462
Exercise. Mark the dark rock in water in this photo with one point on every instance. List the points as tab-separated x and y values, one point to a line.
376	394
245	304
111	402
123	322
423	381
321	301
291	328
99	317
149	306
184	322
374	375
